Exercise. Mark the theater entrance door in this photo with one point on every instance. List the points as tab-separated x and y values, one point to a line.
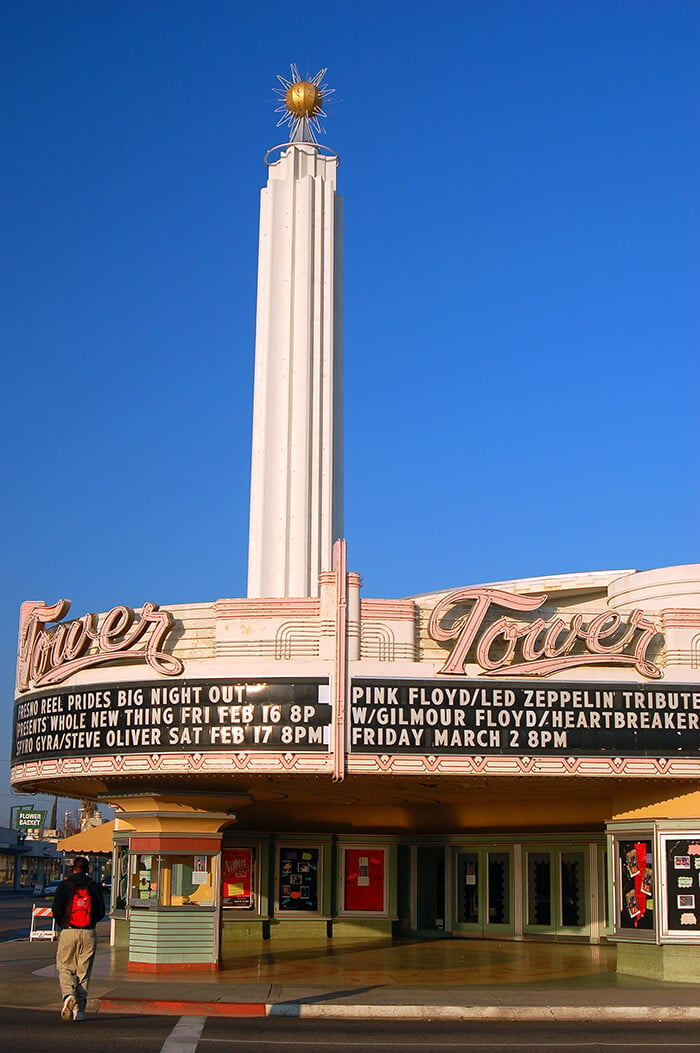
430	888
484	885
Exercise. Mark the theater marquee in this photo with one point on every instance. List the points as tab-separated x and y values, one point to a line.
176	716
521	719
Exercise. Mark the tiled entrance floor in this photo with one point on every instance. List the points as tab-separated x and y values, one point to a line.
440	963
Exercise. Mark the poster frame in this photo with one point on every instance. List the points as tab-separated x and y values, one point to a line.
254	910
300	846
352	846
669	934
632	833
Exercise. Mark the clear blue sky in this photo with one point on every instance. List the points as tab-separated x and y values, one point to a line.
521	284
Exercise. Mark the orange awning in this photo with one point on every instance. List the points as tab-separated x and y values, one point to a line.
96	839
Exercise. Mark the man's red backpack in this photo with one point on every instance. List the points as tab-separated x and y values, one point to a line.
80	909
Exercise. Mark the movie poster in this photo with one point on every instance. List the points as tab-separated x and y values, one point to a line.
298	880
364	879
637	884
238	878
682	885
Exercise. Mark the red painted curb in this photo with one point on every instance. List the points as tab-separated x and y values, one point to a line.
155	1007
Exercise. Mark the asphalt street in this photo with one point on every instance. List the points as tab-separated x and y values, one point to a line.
39	1031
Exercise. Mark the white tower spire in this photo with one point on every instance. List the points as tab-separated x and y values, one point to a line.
296	484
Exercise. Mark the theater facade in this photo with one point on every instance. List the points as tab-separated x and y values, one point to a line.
516	760
511	760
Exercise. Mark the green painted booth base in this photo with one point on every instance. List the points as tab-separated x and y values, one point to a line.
173	940
679	963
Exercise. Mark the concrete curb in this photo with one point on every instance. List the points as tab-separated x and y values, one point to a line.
337	1011
163	1007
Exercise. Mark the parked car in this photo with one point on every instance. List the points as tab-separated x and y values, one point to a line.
50	889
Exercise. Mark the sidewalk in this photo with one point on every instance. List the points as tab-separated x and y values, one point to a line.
412	979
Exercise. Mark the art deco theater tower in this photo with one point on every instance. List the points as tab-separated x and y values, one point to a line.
296	486
510	760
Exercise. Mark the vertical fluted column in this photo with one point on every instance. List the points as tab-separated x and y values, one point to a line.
296	479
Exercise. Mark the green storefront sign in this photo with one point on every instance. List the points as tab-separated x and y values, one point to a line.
29	819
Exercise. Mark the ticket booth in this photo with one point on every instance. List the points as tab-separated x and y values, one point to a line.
166	890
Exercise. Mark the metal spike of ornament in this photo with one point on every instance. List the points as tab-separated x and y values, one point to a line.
301	104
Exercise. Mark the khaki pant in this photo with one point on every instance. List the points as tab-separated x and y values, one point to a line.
74	957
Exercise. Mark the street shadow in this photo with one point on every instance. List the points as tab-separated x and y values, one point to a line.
293	1006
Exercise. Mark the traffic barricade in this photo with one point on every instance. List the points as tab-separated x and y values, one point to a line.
40	930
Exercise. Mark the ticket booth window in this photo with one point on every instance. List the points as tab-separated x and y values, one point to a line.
145	880
172	880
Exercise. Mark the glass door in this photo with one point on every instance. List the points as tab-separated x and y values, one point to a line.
556	891
574	890
484	892
539	911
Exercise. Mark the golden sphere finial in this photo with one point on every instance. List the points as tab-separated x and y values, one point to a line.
303	99
301	104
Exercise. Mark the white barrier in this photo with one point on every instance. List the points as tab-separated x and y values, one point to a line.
38	930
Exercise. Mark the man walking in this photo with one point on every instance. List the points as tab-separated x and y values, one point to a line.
77	907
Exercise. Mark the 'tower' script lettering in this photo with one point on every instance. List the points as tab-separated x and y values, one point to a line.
49	656
538	647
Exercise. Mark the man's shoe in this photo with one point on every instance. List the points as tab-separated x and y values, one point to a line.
69	1004
78	1014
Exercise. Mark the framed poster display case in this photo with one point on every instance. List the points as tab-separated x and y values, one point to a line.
239	878
364	875
680	866
299	880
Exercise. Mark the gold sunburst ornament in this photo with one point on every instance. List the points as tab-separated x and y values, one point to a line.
301	104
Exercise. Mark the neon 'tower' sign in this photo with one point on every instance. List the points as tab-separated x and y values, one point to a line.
508	647
49	656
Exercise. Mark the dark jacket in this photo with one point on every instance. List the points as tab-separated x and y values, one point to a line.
64	897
